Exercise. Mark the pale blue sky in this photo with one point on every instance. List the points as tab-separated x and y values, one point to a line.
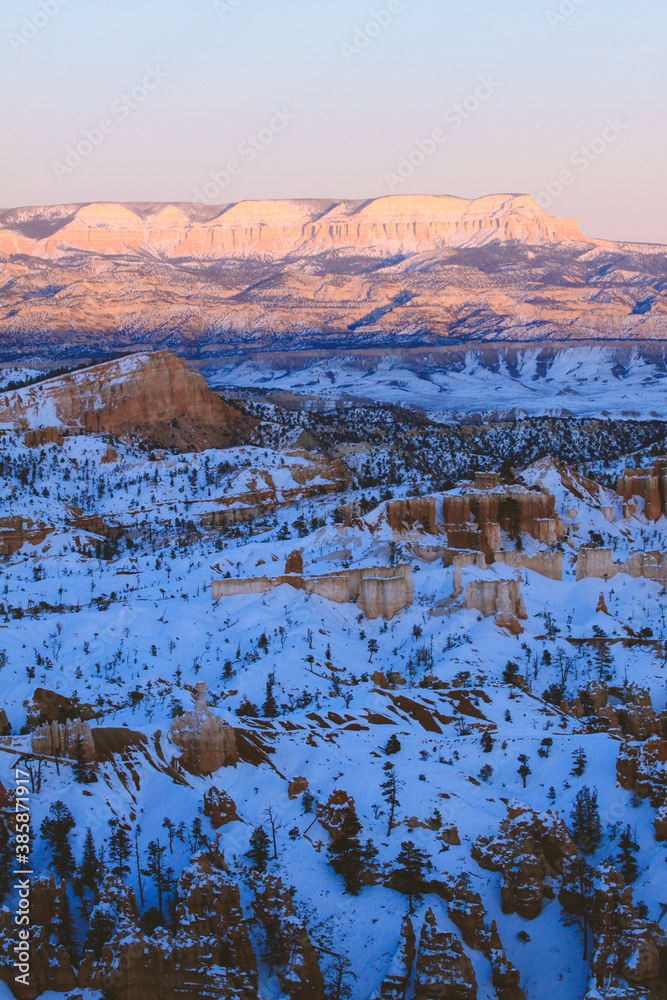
357	97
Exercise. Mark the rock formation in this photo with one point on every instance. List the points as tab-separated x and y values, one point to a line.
110	276
530	851
210	953
444	971
642	768
649	484
336	812
296	787
58	739
600	563
298	967
219	807
378	590
501	598
405	514
206	741
16	530
626	710
294	563
153	396
399	973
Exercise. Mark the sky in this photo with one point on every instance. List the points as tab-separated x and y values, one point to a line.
223	100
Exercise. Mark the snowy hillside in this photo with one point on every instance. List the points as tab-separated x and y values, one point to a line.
477	723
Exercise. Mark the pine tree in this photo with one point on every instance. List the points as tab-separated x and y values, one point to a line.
524	768
83	773
55	829
551	794
157	871
585	826
259	848
627	862
392	745
578	762
390	793
346	855
270	706
88	872
120	848
410	875
487	741
64	929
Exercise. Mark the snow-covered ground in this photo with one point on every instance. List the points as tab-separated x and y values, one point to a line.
129	626
583	381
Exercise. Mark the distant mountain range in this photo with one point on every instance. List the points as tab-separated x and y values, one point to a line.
275	276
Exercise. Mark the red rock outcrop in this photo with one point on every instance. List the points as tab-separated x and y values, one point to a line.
405	514
210	953
336	812
153	396
649	484
299	971
444	971
294	563
206	741
50	966
501	598
16	530
530	851
61	739
219	807
642	768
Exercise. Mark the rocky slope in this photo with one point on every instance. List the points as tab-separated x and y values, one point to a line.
284	275
154	396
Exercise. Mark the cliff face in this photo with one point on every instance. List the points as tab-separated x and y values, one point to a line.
156	395
289	275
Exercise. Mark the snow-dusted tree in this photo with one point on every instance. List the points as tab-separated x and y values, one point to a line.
87	874
120	848
585	820
157	871
487	741
259	848
55	830
390	792
270	706
410	875
524	768
578	762
626	857
83	772
392	745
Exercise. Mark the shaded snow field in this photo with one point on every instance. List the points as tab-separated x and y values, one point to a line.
157	630
578	381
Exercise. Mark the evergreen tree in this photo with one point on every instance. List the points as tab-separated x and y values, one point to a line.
487	741
158	872
100	930
390	793
83	773
88	872
64	929
392	745
551	794
55	830
585	826
578	762
524	768
348	857
270	707
627	861
259	848
120	848
412	860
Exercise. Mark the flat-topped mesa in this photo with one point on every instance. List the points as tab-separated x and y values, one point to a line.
649	484
151	394
279	227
